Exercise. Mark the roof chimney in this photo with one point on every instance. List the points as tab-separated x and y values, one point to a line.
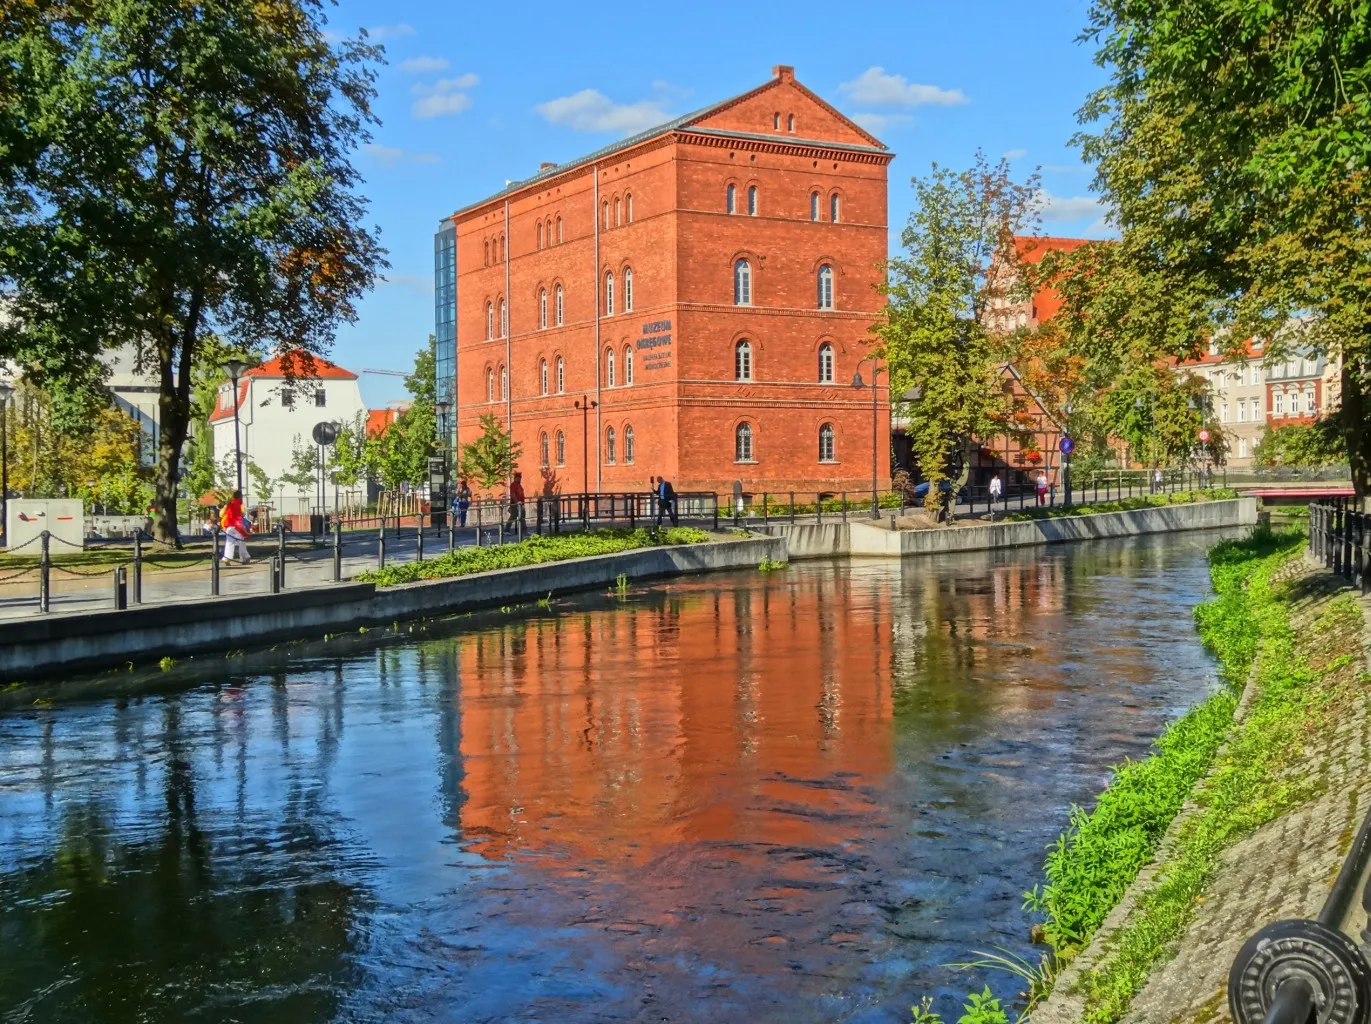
784	72
546	165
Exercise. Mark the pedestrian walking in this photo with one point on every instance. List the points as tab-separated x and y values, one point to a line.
666	501
463	500
236	530
1042	488
1158	480
996	491
516	502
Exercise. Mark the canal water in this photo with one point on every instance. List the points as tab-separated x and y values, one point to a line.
793	796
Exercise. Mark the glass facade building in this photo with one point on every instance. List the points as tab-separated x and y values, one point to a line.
445	325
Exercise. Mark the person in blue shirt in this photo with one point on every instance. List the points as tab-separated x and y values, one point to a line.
666	501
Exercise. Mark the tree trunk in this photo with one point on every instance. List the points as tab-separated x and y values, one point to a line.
1356	430
175	419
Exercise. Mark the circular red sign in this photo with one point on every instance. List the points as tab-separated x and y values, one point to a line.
1204	435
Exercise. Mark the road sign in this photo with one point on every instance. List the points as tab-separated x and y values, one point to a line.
325	433
1204	435
1066	445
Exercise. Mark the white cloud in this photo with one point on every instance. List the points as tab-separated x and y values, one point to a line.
440	105
419	65
875	87
381	33
877	123
592	111
1063	209
445	85
1016	154
389	156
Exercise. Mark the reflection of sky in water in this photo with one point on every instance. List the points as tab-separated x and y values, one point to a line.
741	797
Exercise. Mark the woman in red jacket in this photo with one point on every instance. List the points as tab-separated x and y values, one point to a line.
236	529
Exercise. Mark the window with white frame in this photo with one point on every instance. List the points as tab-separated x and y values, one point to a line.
752	200
561	448
320	398
618	213
825	287
742	443
542	450
813	206
1242	447
609	367
825	364
504	320
628	364
542	376
609	294
542	309
490	321
742	361
561	376
490	384
731	199
504	383
1279	408
1311	366
559	305
1309	406
628	289
833	203
628	208
1223	412
826	443
1242	412
609	446
540	234
628	445
742	283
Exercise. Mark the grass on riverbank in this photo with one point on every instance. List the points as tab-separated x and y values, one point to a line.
534	550
1122	504
1301	683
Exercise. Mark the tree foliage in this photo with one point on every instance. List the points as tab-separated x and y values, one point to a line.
1232	144
959	259
172	172
1301	444
399	455
491	459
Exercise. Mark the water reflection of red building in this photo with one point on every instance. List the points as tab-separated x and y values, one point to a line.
619	736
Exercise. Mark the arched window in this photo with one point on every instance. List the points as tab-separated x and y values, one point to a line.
628	445
825	287
752	200
559	230
609	446
609	367
742	361
490	384
628	289
502	248
825	364
628	208
742	443
813	206
731	199
618	213
542	450
542	376
559	306
561	376
542	309
742	283
776	120
609	294
504	383
628	364
540	234
561	448
504	320
790	123
486	247
833	202
549	232
490	321
826	443
606	209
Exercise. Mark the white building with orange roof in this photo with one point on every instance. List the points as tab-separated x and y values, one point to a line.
277	416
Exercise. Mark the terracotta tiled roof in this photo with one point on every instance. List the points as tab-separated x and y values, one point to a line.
299	367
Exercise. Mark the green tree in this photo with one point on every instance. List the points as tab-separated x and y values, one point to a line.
958	258
1301	444
400	454
183	172
1232	144
491	459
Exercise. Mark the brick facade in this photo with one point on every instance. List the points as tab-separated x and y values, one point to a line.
654	207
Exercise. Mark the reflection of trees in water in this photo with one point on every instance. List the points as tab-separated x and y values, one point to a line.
248	921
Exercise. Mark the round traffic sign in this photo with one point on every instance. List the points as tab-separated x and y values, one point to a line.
325	433
1204	435
1066	445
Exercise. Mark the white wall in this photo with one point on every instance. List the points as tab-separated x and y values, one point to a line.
269	430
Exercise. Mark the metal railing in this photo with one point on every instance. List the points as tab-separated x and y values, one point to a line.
1338	538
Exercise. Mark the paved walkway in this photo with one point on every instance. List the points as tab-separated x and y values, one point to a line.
1285	869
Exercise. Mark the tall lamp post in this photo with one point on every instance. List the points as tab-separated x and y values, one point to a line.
236	368
585	405
6	389
444	407
857	382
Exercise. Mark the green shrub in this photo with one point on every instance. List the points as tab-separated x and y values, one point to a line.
533	551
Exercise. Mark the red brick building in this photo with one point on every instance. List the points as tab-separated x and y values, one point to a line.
708	285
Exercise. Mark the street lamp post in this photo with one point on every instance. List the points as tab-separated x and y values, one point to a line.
444	407
875	428
585	405
236	368
5	391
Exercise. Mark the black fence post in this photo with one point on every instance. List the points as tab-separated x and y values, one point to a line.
44	579
419	541
121	588
338	552
844	499
274	575
716	512
214	562
137	566
819	509
451	536
792	508
281	554
381	545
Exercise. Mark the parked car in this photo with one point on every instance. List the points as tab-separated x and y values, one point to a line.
921	491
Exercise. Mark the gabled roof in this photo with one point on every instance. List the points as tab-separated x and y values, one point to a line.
686	121
300	367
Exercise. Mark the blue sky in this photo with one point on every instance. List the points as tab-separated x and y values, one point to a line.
475	94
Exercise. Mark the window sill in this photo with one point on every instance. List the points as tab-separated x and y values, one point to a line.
745	462
829	462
